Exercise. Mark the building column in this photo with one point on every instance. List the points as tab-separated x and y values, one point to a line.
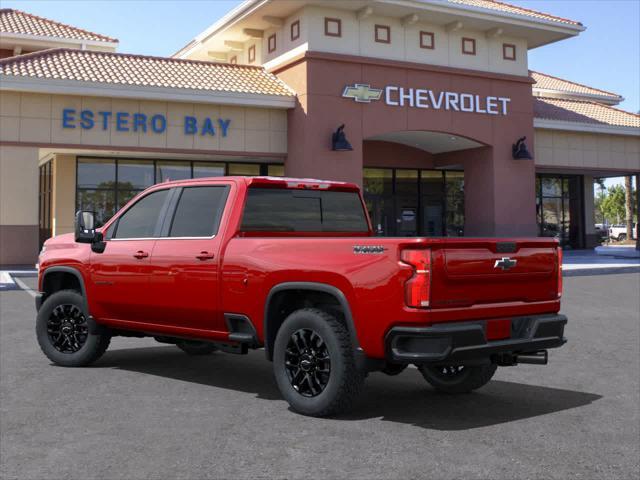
19	229
63	201
499	192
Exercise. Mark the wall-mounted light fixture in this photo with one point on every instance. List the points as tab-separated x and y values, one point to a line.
519	150
339	142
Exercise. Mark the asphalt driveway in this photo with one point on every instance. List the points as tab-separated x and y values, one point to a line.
149	411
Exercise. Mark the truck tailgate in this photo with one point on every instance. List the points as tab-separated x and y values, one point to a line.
489	271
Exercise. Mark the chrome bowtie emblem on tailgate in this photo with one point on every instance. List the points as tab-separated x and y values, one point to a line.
505	263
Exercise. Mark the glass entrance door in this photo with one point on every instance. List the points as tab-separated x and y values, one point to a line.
408	202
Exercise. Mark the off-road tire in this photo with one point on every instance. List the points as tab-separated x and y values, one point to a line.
94	344
467	380
193	347
345	380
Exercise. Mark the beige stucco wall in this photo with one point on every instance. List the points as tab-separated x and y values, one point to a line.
555	148
18	205
37	118
18	185
358	38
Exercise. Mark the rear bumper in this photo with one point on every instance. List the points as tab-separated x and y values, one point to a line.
466	341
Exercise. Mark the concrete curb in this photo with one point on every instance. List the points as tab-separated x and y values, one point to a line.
579	272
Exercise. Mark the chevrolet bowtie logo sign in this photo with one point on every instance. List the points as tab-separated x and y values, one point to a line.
362	93
505	263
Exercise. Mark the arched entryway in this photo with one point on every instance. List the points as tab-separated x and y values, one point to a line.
414	182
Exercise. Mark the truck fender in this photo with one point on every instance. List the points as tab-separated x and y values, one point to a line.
318	287
93	326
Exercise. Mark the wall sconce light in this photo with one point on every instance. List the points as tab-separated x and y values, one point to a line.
519	150
339	142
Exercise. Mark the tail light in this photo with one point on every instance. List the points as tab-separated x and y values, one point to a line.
559	272
418	287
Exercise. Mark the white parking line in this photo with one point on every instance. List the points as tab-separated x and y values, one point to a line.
25	287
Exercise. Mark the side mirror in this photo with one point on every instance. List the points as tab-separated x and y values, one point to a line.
85	227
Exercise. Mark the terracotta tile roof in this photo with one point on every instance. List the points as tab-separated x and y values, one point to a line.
548	82
143	71
583	112
16	21
515	10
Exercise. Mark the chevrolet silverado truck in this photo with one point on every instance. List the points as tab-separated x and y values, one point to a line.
292	266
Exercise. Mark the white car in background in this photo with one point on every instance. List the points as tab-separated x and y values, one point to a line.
619	232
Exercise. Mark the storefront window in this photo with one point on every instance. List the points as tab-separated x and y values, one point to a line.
106	185
454	185
405	202
102	202
44	202
275	170
244	169
168	171
206	169
432	193
558	203
96	187
378	195
135	174
96	173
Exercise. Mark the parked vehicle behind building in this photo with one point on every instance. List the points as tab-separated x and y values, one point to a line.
619	232
291	266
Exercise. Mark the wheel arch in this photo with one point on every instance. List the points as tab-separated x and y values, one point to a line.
58	278
273	318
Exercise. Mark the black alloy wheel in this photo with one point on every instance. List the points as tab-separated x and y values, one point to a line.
458	378
67	328
449	372
66	333
307	362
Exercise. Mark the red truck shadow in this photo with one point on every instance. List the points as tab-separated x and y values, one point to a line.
405	398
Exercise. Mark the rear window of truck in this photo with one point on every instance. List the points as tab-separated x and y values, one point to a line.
280	210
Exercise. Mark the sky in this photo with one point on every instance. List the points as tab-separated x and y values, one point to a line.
605	56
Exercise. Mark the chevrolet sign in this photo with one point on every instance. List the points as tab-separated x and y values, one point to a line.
424	98
362	93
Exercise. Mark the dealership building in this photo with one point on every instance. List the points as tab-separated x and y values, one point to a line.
434	96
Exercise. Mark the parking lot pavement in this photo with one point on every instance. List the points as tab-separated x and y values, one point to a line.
149	411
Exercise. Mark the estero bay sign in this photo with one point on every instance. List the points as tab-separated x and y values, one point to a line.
424	98
140	122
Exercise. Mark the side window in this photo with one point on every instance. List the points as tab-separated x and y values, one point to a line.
141	219
198	212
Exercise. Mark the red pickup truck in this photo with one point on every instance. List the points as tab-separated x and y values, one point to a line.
292	266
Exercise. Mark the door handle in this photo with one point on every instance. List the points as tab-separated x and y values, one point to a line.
205	256
140	254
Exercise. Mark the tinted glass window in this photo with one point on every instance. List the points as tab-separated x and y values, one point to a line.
141	219
198	212
244	169
135	174
270	209
167	171
96	173
202	169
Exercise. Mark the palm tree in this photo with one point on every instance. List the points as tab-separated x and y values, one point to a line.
628	206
